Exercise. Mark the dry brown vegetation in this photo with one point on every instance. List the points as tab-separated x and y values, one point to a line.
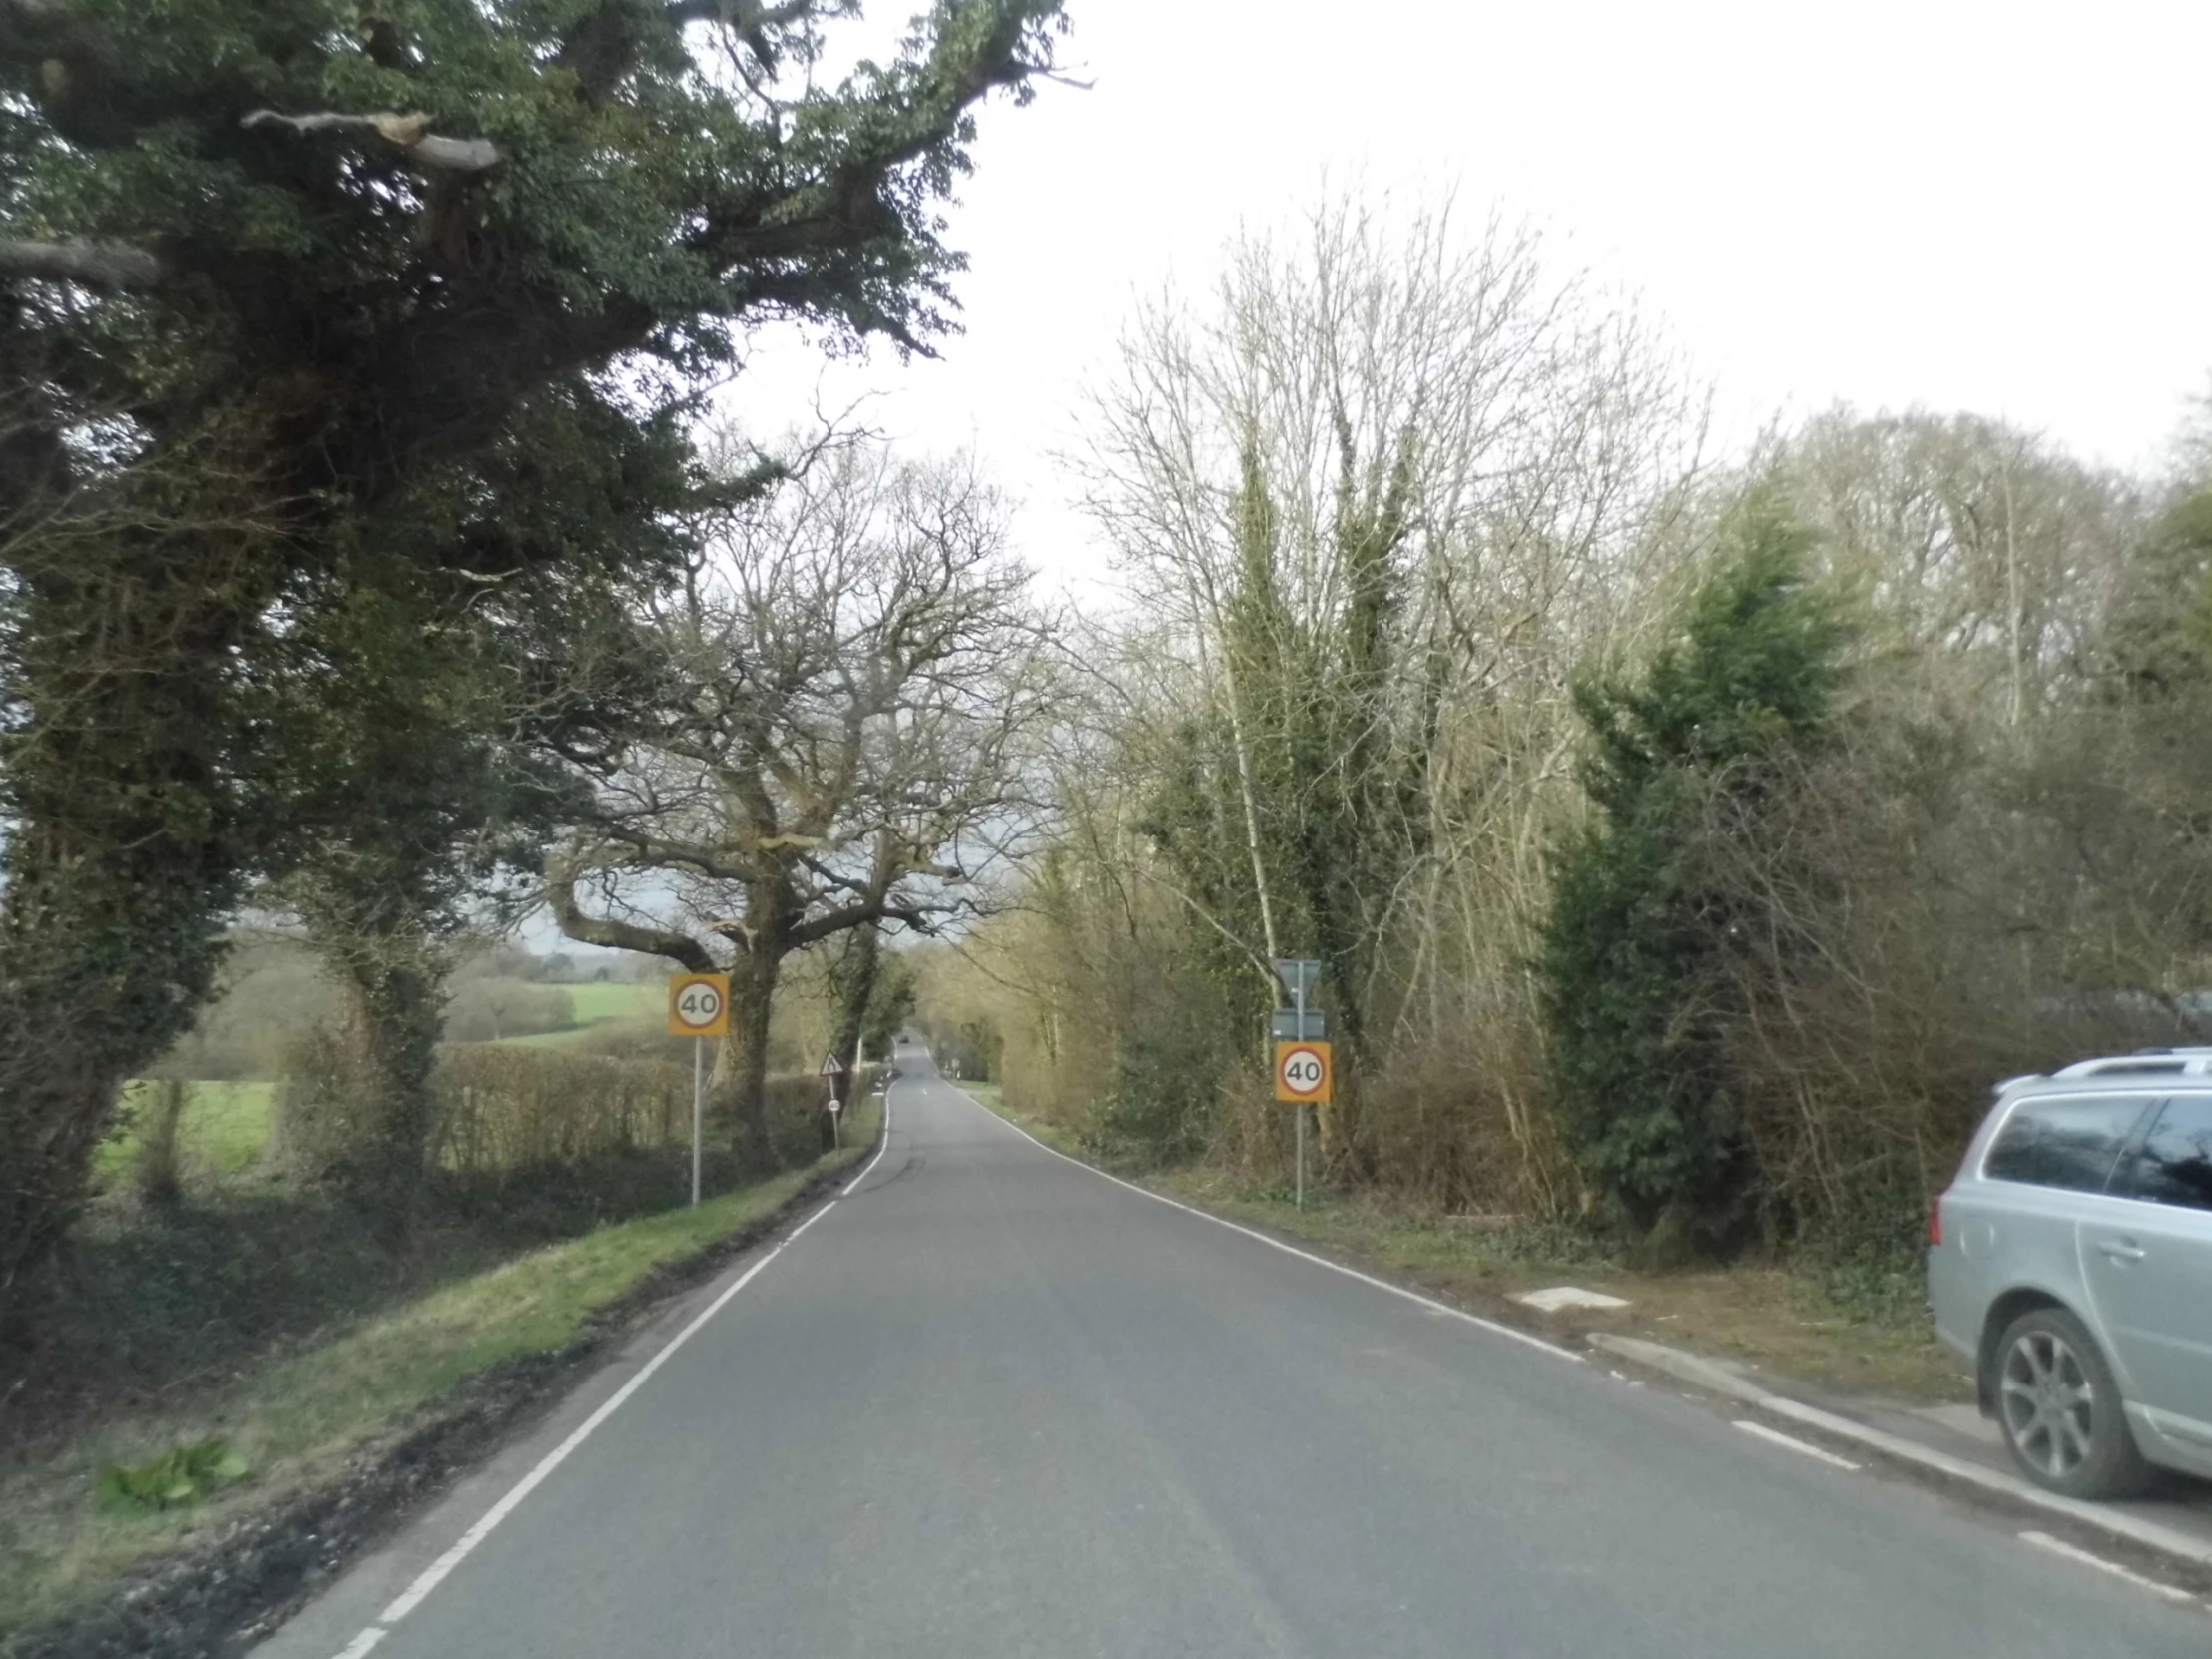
1390	494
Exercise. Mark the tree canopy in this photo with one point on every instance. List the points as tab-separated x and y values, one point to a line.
314	308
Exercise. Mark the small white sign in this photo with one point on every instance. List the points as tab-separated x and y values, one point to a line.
830	1067
1568	1296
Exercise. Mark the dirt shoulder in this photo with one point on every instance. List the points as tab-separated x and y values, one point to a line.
346	1439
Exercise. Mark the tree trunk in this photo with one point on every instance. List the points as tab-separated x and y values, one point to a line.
98	976
859	972
160	1175
396	996
119	867
745	1052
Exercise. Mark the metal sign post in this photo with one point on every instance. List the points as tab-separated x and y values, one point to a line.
1303	1072
1299	992
833	1071
697	1007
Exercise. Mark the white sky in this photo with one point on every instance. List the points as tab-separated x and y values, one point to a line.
1999	208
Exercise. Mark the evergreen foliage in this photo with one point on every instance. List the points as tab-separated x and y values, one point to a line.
327	323
1635	1006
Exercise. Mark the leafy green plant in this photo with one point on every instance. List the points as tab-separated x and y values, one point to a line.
1867	1261
182	1475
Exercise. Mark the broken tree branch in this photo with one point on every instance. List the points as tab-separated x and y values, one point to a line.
96	264
410	132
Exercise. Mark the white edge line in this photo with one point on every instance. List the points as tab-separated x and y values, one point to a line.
2150	1534
435	1574
1776	1438
882	1147
2058	1546
1430	1303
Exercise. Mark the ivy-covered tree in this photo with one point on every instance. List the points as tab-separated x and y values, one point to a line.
280	280
442	719
1633	965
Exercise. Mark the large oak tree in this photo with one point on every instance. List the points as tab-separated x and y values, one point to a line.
852	683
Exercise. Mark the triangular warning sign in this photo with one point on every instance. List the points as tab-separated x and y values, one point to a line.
830	1067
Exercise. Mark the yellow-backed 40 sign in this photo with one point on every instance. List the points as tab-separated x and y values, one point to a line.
1303	1071
698	1005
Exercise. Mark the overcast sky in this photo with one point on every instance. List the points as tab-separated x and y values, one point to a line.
1997	208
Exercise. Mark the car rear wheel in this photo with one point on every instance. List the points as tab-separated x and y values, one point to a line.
2059	1408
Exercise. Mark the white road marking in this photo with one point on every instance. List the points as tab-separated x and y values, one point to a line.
872	1162
2166	1540
1772	1437
1430	1303
436	1573
2058	1546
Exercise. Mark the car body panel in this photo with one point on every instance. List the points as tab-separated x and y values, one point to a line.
2138	1273
2149	1271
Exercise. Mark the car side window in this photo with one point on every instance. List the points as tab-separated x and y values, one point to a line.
2069	1141
2175	1163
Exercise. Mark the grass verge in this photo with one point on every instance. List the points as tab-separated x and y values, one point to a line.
225	1128
309	1419
1773	1318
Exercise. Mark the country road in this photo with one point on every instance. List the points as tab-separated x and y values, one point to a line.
992	1404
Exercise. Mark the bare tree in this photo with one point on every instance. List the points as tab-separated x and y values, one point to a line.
1982	554
849	680
1381	492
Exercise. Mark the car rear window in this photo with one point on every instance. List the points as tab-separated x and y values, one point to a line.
2069	1141
2175	1164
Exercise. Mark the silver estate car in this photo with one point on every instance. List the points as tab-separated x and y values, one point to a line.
2070	1265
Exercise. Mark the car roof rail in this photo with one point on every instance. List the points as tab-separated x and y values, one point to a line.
2171	1063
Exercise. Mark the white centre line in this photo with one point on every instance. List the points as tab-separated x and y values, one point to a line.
2058	1546
436	1573
1760	1431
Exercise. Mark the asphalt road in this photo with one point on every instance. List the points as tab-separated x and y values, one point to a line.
993	1405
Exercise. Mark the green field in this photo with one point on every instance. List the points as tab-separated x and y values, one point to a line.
611	1001
599	1004
226	1127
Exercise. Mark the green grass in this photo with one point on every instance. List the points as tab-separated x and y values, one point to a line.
615	1001
601	1004
993	1095
225	1128
296	1420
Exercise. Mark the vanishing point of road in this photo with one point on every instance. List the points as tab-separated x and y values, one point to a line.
991	1404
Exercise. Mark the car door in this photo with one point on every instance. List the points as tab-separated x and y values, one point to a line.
2148	1259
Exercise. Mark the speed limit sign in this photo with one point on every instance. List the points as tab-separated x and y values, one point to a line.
1303	1071
698	1005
